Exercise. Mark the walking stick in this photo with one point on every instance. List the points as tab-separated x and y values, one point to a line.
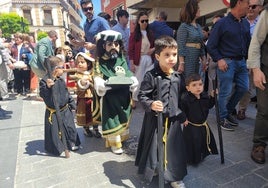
160	137
57	108
214	83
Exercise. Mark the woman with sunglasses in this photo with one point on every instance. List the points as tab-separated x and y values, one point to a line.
140	50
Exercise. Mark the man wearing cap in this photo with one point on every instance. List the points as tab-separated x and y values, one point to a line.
114	82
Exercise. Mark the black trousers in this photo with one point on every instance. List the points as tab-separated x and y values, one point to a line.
22	80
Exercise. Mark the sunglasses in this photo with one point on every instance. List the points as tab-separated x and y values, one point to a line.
87	9
115	43
252	7
142	21
59	67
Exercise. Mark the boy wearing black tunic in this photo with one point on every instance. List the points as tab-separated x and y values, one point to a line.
53	132
199	139
173	117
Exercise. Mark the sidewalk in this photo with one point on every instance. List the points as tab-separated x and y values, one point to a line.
24	163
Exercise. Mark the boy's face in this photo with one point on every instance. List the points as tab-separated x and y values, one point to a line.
58	71
167	58
195	87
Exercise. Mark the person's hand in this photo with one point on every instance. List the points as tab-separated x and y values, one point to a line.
259	79
135	84
50	83
185	123
100	87
222	65
151	51
157	106
181	68
132	66
89	45
204	66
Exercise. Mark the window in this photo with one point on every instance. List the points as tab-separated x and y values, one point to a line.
27	16
48	17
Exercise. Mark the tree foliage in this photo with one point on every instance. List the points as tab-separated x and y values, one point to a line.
11	23
41	34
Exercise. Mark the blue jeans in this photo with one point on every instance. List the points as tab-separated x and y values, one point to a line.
232	85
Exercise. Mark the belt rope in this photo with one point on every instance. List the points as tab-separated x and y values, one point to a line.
205	124
165	143
52	110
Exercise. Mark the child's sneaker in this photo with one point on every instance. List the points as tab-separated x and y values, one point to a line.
177	184
117	150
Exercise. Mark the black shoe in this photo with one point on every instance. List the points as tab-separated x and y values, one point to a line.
226	126
97	133
88	132
231	120
253	99
234	112
6	111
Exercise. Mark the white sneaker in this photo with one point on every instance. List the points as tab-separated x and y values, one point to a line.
177	184
116	150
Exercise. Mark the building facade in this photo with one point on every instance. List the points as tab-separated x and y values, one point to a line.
208	9
63	16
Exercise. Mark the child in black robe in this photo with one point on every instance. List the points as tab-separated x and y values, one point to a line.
54	142
199	139
173	117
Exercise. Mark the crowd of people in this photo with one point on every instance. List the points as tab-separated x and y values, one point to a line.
115	69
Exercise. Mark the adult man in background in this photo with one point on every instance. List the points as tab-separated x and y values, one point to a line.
255	7
228	46
258	63
160	27
93	25
44	48
121	27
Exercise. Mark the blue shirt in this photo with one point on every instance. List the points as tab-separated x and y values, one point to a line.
229	38
160	28
125	34
93	27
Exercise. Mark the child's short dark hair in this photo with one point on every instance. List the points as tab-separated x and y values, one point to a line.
192	78
164	42
54	61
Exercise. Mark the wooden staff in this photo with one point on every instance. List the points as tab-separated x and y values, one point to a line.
214	83
57	108
160	137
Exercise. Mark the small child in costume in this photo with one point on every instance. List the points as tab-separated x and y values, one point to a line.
199	139
172	87
54	133
116	109
88	111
